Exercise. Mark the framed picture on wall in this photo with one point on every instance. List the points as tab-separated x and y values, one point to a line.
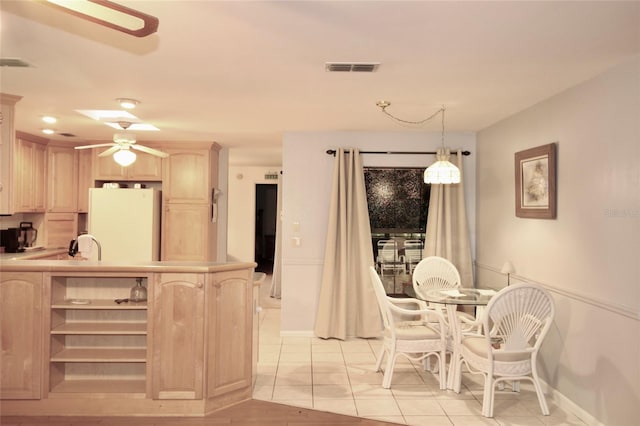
536	182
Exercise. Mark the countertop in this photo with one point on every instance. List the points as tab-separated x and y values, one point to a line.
21	264
32	254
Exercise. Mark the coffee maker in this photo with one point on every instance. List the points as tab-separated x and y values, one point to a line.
10	240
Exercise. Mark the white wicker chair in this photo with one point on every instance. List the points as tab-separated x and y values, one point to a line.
518	318
388	258
416	340
435	272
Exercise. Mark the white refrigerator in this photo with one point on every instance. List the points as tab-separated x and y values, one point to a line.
126	223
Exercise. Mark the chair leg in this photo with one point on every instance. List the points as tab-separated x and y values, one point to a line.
487	399
541	399
443	370
380	358
388	372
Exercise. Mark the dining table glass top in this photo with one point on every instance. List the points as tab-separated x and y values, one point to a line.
454	296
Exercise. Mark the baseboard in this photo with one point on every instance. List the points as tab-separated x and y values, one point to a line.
569	406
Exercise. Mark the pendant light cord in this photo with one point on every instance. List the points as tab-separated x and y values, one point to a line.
384	104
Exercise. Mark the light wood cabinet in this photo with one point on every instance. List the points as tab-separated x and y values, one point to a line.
187	176
21	327
188	180
7	141
66	341
60	229
178	336
96	345
229	318
84	179
62	179
147	167
30	173
185	233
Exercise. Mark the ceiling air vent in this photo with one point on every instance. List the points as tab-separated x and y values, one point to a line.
13	62
351	66
68	135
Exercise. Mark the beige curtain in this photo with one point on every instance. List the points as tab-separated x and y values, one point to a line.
447	232
276	278
347	305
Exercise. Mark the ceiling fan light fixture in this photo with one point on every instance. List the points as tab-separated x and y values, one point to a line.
127	103
124	138
125	157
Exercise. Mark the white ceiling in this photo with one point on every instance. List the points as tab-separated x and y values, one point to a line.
242	73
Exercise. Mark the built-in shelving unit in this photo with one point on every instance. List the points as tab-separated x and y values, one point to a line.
96	344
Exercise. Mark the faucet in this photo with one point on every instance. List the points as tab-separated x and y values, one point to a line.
74	248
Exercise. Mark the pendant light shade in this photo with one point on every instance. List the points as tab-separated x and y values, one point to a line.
124	157
442	171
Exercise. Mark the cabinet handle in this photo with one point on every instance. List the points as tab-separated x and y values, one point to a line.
199	285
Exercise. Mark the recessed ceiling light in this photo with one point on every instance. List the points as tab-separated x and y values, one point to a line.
48	131
49	119
127	103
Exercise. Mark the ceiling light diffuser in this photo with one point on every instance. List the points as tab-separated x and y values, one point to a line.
49	119
127	103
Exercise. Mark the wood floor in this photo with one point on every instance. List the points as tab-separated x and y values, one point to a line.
253	412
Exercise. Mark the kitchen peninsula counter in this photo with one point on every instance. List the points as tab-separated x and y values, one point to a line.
72	346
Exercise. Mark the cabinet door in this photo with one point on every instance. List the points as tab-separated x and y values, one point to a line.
62	179
106	168
187	176
60	229
177	365
30	176
21	328
39	177
147	168
84	179
229	332
185	232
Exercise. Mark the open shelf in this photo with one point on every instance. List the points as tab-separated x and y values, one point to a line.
97	304
101	328
100	355
101	386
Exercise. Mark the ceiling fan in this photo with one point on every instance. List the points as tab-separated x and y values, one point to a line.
122	145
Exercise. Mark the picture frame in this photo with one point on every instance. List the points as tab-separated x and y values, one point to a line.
536	186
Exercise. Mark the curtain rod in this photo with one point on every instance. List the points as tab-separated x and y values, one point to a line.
333	152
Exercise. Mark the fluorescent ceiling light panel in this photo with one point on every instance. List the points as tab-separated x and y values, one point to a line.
111	115
111	15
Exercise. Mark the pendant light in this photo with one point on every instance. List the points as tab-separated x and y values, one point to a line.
442	171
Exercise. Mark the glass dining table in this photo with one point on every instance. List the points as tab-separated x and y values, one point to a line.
452	298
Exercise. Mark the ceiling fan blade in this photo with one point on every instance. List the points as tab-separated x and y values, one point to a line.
110	151
111	15
150	151
93	146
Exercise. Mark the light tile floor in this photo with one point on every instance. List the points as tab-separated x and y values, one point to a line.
339	377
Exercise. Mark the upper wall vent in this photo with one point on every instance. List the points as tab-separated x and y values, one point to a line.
351	66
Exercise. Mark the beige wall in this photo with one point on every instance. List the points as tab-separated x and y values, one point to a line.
307	177
242	206
589	256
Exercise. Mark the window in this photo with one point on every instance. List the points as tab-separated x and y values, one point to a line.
398	201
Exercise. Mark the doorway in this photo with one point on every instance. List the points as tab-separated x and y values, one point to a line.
265	226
